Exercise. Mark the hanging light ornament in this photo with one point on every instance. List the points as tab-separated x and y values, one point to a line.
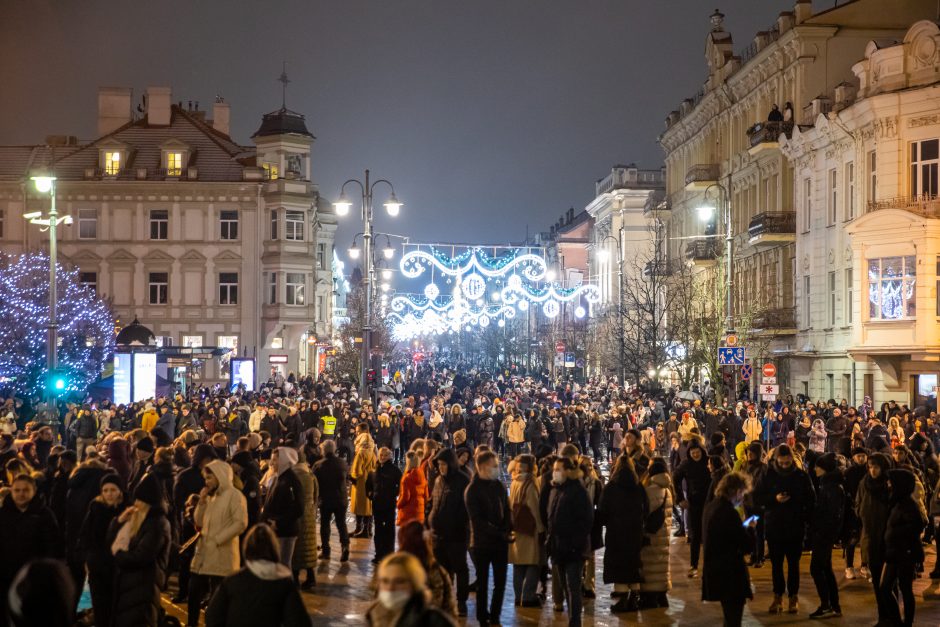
431	291
550	308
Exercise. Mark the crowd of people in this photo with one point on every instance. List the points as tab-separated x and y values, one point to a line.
227	500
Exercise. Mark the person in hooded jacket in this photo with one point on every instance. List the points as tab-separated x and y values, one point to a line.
873	506
331	474
221	515
283	504
140	542
448	522
818	437
655	554
825	531
383	486
94	548
262	594
363	464
305	551
692	479
903	549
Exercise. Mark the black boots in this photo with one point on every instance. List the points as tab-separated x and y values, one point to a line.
358	533
628	603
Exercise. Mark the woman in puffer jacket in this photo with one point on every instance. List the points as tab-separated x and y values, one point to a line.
305	551
655	555
817	436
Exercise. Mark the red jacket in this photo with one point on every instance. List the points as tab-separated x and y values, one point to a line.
412	497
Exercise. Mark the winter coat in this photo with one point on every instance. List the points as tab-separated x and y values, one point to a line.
83	486
385	483
93	546
873	506
363	464
262	594
140	572
829	513
416	613
726	541
623	509
220	518
752	429
448	518
818	436
789	519
251	490
488	509
305	551
906	522
570	517
515	432
25	536
167	424
522	491
284	506
331	476
655	554
411	500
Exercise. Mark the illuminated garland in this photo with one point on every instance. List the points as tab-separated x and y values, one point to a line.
85	326
414	263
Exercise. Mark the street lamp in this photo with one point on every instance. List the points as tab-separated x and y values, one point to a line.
706	211
603	255
354	252
343	206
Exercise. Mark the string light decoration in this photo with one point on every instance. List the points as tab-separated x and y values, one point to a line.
85	326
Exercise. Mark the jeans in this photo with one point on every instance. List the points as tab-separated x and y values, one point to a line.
482	559
820	567
326	513
789	548
525	580
733	611
901	575
570	580
453	557
200	586
287	552
384	533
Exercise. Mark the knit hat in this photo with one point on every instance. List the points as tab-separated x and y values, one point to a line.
145	445
827	462
859	450
635	433
641	464
112	478
201	453
658	466
69	455
149	491
902	482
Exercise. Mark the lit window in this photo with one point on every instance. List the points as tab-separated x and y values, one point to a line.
270	170
294	226
192	341
87	223
228	288
174	163
295	288
227	341
159	223
112	163
159	283
891	288
228	221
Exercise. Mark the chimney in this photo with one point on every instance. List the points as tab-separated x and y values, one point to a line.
221	116
803	11
114	108
158	106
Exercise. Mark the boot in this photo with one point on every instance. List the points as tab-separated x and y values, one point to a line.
628	603
647	601
793	605
367	533
358	532
662	599
777	606
311	580
345	556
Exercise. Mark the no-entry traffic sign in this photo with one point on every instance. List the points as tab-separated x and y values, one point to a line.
559	347
769	370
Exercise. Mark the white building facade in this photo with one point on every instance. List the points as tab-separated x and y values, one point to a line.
207	242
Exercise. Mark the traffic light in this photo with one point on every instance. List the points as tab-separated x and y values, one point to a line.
370	375
56	381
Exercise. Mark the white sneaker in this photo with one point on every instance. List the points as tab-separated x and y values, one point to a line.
850	573
864	572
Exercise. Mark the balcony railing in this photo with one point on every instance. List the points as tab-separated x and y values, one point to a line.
702	250
925	205
780	319
772	222
657	268
769	132
702	173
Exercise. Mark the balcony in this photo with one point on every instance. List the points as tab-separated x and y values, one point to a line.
700	176
772	228
657	208
927	206
780	321
657	269
702	253
764	135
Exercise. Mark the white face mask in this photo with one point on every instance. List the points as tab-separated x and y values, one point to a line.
393	599
558	477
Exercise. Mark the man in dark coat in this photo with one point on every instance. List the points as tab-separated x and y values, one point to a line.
490	532
825	530
692	479
623	505
384	486
246	469
448	522
283	505
570	518
903	549
83	486
331	473
787	495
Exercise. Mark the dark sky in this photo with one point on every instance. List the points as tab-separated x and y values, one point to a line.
487	115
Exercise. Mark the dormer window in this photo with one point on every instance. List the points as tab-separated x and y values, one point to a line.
112	162
174	163
175	157
270	171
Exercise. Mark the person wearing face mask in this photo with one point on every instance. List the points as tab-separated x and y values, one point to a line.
490	534
726	541
402	597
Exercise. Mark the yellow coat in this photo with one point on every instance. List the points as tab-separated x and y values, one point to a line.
363	463
149	420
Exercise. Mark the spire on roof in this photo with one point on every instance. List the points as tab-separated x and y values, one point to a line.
284	81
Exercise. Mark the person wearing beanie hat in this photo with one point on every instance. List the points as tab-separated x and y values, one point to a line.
249	474
143	460
903	549
825	527
852	526
140	543
283	506
42	594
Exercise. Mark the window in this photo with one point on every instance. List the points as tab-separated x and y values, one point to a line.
270	170
294	226
925	159
831	385
807	204
295	288
112	162
228	221
159	223
274	224
832	298
872	177
807	319
833	196
89	280
891	288
192	341
321	256
850	190
321	308
850	295
272	295
174	163
159	282
295	166
87	223
228	288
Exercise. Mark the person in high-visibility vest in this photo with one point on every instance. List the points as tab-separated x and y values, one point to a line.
329	426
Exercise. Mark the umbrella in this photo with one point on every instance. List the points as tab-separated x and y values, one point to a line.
689	395
386	390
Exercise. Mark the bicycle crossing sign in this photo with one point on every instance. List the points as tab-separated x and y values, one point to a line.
731	356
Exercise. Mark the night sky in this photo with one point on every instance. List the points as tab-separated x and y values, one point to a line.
488	115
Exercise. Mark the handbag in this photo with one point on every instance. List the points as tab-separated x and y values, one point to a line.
655	519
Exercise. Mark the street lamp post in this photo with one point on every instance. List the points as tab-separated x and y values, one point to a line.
620	330
45	184
392	206
706	212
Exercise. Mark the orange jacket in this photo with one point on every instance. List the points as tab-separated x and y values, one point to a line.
412	497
